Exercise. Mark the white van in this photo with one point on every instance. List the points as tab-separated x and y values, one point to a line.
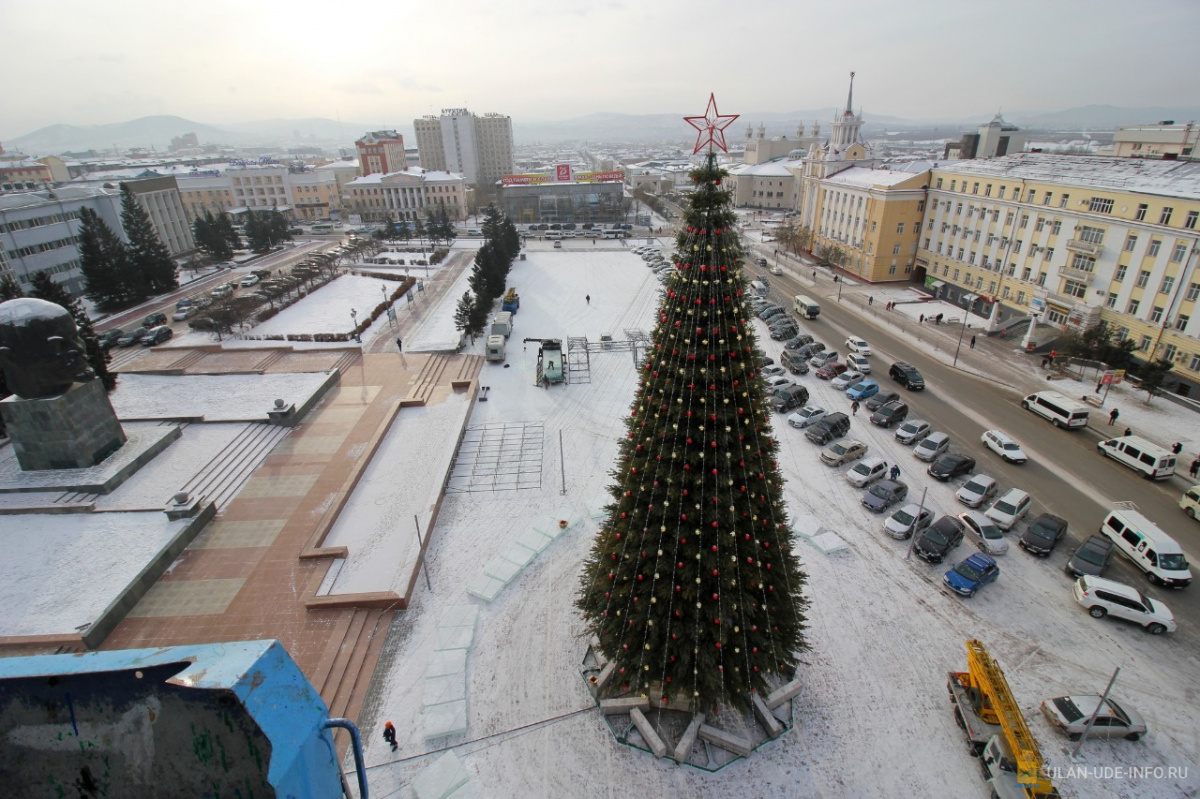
1153	461
1190	502
554	234
502	324
1150	549
758	288
1062	411
806	306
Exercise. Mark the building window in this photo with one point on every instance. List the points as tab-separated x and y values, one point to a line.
1181	321
939	183
1025	273
1020	298
895	249
1167	284
1041	281
1083	262
892	268
1100	205
1193	292
1093	235
1140	216
1041	224
1006	293
927	243
1049	253
1056	228
1195	364
1119	275
1132	307
1111	302
991	287
1001	194
1154	245
1165	217
1190	222
1024	221
1170	352
1144	343
1143	278
1130	242
955	278
953	185
900	227
1046	198
987	190
1178	253
1122	333
1030	196
1074	289
1156	314
1063	202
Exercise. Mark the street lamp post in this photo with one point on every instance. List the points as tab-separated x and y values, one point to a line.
354	325
970	299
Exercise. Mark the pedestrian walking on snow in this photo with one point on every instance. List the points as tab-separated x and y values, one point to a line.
972	342
871	299
895	473
389	735
1177	448
399	345
1112	417
854	407
1195	470
1128	431
922	318
588	297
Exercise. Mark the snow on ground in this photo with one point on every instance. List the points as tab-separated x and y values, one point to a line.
437	333
873	720
376	523
214	398
328	310
61	570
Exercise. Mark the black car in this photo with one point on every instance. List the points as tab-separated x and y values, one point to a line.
882	398
834	425
789	398
810	349
1092	557
798	341
154	320
1042	534
884	494
156	335
780	332
907	375
938	539
132	337
950	466
108	339
892	413
771	310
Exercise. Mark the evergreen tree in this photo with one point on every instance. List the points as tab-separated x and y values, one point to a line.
43	287
1152	376
225	224
480	308
211	237
109	278
691	585
462	315
258	232
149	256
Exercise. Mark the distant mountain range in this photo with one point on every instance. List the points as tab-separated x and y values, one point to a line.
155	132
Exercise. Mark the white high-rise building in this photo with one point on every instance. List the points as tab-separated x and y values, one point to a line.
479	148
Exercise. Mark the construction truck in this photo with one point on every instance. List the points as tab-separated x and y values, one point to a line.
996	731
511	301
550	366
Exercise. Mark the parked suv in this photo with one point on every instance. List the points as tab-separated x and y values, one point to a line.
834	425
881	399
907	375
789	398
1092	557
890	414
938	539
1107	597
793	362
1042	534
154	320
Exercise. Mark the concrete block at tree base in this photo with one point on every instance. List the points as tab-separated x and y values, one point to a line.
486	588
828	543
534	541
767	719
806	526
442	777
684	748
623	705
725	740
451	661
605	675
783	694
454	638
468	791
648	733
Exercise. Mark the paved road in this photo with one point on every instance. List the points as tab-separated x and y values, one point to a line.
1065	475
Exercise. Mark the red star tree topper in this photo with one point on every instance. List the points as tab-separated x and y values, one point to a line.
713	123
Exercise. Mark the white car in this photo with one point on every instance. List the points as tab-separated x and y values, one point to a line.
809	414
1009	509
913	430
1000	443
978	490
987	536
846	379
1107	597
777	270
867	471
856	344
773	370
249	280
909	519
859	362
778	381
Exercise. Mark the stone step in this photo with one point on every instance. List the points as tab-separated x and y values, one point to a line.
347	699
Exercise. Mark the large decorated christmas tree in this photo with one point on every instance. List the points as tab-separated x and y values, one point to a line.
691	585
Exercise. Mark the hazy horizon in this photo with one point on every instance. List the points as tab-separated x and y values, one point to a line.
229	64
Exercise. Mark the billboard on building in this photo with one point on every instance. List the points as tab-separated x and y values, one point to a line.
562	174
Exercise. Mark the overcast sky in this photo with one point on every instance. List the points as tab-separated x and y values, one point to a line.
220	62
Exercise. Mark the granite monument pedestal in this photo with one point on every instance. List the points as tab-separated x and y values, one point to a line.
73	430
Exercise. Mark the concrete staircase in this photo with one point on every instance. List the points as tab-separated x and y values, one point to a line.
344	672
224	475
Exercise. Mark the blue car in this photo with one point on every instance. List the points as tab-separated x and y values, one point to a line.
862	389
971	574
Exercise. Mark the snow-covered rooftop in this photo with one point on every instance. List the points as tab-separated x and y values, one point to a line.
1140	175
865	178
777	168
429	175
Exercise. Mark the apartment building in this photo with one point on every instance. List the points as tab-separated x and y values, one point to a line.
381	152
407	195
479	148
1072	241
